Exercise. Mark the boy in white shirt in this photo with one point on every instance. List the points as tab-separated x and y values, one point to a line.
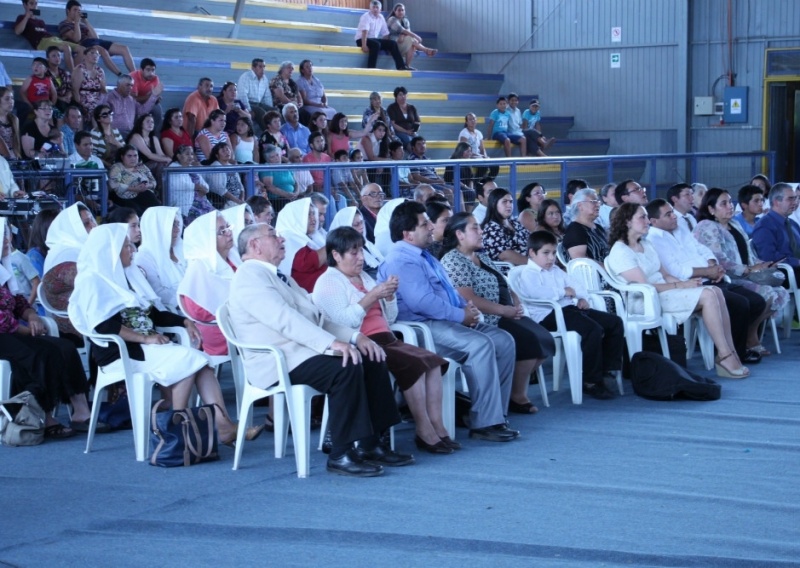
602	334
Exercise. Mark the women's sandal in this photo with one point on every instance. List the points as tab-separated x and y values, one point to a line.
761	350
526	408
740	373
251	434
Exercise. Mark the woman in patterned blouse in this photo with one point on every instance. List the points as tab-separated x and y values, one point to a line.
504	237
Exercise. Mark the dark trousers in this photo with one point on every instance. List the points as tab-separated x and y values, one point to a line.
360	399
376	44
140	203
744	306
602	340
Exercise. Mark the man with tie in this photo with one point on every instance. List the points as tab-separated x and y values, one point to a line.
266	307
776	237
680	196
425	294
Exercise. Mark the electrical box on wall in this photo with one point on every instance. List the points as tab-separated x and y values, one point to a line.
735	99
703	106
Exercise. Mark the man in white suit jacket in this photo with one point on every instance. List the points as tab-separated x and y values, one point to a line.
267	307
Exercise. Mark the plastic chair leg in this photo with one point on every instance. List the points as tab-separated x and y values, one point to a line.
572	348
5	387
300	415
449	399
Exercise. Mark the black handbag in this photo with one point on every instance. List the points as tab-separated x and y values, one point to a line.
182	437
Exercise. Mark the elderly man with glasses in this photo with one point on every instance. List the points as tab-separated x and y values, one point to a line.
776	237
372	196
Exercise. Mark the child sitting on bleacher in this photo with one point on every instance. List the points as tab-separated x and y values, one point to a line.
602	334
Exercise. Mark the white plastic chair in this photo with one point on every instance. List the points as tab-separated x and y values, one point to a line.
5	387
568	344
296	397
791	310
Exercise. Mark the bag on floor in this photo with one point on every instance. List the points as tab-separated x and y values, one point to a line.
651	343
655	377
116	414
26	427
182	437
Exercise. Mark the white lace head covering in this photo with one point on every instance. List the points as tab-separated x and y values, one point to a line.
6	272
154	252
235	218
292	224
383	238
208	276
65	237
344	218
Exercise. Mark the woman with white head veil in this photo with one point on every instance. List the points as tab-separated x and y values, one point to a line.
161	254
65	237
383	239
305	249
207	282
238	217
352	217
112	296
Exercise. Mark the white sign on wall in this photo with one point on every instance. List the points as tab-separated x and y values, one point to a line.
736	106
616	35
615	61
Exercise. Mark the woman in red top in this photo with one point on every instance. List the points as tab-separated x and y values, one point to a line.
173	135
305	246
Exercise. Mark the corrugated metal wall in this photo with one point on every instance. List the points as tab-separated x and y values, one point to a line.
671	51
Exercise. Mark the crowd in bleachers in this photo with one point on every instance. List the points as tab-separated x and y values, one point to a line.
479	279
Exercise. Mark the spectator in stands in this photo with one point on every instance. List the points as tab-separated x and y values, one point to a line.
483	189
439	214
635	260
608	205
690	257
359	174
206	285
680	196
373	109
232	106
426	174
185	188
255	92
423	192
263	211
339	135
317	155
497	128
62	79
477	279
144	139
199	105
84	156
375	148
226	188
528	204
312	92
404	117
10	147
515	122
279	185
8	186
283	88
295	133
407	41
161	254
40	137
89	82
550	219
105	138
372	36
273	135
77	29
243	141
342	179
629	191
585	237
131	181
35	31
372	196
573	186
472	136
304	179
73	122
504	237
397	154
426	294
462	151
65	238
602	334
532	128
146	84
318	123
751	200
126	108
38	86
173	134
775	237
213	133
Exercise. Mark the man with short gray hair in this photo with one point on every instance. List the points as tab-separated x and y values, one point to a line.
776	238
126	108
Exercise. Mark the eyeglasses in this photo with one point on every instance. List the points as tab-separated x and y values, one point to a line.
539	193
374	194
591	201
45	107
636	190
106	114
224	230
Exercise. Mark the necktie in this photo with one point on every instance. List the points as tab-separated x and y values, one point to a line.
688	220
452	295
282	276
792	238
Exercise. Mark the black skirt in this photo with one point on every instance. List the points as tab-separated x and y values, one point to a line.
407	363
531	339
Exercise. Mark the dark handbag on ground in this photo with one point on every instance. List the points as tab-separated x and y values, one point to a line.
182	437
655	377
651	344
26	427
116	414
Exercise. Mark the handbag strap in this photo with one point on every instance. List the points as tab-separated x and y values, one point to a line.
205	414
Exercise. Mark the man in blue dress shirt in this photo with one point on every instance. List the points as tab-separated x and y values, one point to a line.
776	237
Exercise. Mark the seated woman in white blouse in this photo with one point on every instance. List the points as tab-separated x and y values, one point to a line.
160	255
635	260
352	217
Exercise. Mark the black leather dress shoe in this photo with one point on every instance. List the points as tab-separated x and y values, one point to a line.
496	433
350	464
506	427
384	456
598	391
